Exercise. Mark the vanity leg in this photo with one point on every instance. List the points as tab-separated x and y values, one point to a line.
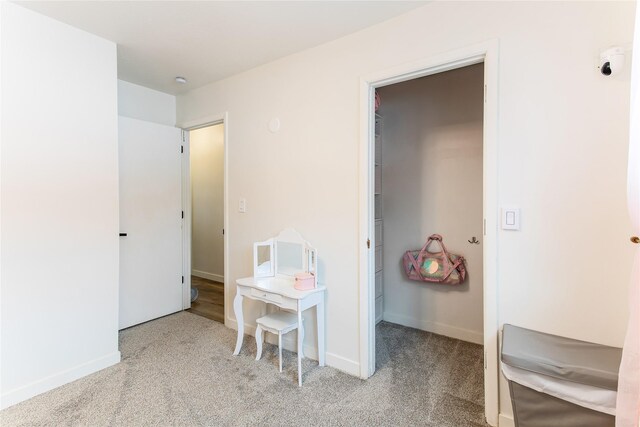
259	339
320	331
237	308
300	340
280	350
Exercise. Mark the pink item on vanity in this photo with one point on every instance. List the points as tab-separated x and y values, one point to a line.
305	281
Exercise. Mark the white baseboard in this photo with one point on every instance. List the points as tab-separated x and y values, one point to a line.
210	276
435	327
35	388
343	364
289	343
506	421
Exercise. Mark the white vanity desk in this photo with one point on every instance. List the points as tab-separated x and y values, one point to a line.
275	262
280	292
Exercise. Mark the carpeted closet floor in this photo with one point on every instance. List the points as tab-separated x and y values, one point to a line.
179	371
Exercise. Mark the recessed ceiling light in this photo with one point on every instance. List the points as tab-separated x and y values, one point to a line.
181	80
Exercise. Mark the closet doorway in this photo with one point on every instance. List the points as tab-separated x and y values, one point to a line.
428	180
429	167
206	218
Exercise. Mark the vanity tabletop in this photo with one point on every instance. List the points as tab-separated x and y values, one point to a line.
278	285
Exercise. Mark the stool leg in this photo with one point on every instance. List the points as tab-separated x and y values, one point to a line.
280	349
259	338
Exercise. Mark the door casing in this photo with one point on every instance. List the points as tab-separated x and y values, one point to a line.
215	119
486	53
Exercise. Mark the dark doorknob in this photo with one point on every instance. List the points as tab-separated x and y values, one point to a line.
123	234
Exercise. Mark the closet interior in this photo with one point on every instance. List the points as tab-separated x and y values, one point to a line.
429	180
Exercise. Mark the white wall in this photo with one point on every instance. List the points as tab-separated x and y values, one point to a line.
142	103
432	183
206	147
562	142
59	174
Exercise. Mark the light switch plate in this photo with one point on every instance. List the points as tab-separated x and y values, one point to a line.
510	218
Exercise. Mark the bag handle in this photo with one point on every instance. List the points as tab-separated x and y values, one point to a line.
433	237
443	249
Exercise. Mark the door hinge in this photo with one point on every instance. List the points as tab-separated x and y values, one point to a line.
368	243
181	149
182	215
183	138
485	94
223	231
182	279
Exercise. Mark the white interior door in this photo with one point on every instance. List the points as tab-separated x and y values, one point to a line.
151	216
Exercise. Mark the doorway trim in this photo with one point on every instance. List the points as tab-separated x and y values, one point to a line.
212	120
487	53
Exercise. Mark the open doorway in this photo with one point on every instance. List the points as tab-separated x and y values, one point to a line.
206	173
411	178
429	181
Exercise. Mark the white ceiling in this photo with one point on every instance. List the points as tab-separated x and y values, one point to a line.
206	41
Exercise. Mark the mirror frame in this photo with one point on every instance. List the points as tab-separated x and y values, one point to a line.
308	255
272	256
289	235
291	259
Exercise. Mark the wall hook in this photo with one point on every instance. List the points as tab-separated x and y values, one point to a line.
474	241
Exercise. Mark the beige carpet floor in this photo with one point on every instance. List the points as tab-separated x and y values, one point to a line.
179	371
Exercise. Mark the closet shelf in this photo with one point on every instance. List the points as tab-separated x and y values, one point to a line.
378	213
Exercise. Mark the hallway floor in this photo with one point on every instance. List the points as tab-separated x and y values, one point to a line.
210	302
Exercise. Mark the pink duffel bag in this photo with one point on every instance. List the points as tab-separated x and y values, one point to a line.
435	267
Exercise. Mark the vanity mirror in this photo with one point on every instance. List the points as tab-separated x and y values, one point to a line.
263	259
284	256
290	258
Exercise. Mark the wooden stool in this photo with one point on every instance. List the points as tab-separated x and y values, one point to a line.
278	323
